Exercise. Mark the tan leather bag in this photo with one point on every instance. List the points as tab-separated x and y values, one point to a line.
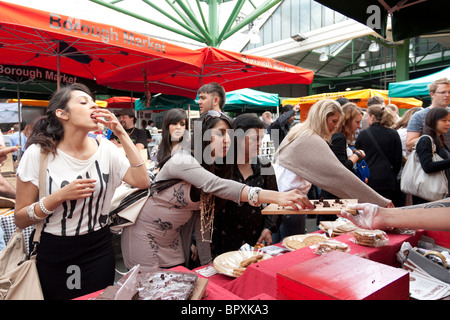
19	278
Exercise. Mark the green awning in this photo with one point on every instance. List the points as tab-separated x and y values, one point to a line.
238	100
416	87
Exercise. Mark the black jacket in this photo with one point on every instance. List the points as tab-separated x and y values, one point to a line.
281	125
383	168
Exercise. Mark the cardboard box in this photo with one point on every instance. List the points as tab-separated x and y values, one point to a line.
342	276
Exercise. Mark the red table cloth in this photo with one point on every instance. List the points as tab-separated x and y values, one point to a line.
260	278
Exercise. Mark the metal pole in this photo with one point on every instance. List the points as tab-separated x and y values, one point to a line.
58	70
214	21
19	120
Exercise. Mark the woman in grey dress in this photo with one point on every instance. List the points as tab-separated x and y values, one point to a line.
192	181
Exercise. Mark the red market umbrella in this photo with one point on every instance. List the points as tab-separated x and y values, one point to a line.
121	102
30	37
231	69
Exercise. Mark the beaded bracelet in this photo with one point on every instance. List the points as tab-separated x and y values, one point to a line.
32	214
253	196
43	208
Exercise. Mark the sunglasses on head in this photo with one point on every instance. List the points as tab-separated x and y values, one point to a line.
217	114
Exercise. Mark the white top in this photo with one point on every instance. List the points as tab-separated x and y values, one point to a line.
108	166
288	180
402	132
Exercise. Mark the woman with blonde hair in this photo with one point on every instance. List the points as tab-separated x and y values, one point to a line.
305	158
345	135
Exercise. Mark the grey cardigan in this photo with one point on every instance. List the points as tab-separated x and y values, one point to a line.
310	157
185	167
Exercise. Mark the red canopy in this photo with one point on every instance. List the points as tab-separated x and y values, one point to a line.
232	70
121	102
30	37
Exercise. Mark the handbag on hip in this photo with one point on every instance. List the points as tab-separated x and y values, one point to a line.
429	186
19	278
126	205
362	170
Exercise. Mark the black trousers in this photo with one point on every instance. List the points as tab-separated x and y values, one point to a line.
72	266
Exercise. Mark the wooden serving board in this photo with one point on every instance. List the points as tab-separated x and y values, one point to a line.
334	207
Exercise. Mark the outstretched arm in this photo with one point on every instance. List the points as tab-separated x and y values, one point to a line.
429	216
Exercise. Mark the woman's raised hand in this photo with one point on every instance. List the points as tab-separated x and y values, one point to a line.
77	189
295	199
108	119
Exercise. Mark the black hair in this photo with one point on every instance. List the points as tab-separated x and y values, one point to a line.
207	122
286	108
241	124
172	116
48	130
216	88
433	116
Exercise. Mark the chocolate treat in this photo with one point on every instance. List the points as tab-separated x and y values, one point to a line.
166	285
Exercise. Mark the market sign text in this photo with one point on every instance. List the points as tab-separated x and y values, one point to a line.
106	35
35	73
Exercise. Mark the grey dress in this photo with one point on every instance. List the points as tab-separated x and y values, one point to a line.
154	240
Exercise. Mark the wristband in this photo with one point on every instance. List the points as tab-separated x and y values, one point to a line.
253	196
137	165
43	208
32	214
358	154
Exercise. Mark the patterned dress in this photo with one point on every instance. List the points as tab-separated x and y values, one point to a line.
154	240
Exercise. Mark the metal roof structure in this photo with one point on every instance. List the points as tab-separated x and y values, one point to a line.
297	32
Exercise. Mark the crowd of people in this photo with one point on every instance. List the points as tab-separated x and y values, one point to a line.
210	185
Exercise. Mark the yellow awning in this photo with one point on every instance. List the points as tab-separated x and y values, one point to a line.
359	97
44	103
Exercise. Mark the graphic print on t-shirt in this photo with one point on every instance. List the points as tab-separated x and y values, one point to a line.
87	211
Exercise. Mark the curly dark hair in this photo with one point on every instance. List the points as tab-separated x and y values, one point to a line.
48	130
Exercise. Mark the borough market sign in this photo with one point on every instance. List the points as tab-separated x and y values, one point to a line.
35	73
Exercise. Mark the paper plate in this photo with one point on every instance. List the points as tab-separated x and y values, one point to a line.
303	238
226	262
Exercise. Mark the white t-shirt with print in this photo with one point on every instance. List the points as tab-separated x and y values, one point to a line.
108	166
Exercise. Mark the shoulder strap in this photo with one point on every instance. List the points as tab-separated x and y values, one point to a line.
433	145
375	142
42	183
